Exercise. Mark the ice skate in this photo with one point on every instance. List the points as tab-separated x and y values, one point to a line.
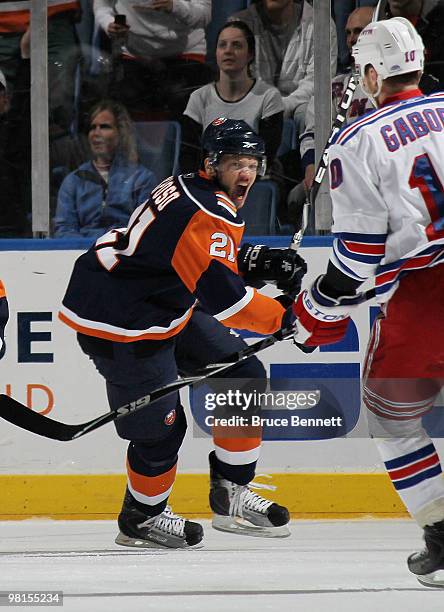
427	563
167	530
237	509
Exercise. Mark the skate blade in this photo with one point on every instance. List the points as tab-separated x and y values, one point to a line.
230	524
124	540
433	580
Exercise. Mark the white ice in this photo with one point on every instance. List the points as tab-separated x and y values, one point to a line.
334	566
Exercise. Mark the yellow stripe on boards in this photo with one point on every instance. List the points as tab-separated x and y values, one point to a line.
99	496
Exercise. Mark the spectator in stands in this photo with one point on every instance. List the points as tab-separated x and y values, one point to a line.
341	10
8	217
15	160
360	105
236	94
163	56
63	58
283	31
428	18
63	52
101	194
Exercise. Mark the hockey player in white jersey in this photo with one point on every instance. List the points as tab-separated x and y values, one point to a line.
386	180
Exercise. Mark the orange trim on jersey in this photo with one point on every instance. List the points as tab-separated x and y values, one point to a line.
2	290
151	485
262	314
13	18
221	195
192	253
99	333
239	443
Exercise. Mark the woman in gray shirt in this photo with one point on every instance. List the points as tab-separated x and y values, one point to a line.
236	94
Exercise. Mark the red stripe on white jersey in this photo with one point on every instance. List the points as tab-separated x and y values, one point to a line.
365	248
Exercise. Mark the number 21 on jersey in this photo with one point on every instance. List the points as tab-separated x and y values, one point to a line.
222	246
106	250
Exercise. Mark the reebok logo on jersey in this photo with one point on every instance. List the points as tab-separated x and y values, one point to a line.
170	417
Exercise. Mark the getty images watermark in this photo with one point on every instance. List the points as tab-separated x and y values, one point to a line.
236	408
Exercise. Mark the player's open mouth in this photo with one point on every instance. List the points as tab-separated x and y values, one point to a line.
238	194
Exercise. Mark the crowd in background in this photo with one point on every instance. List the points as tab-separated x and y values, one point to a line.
114	65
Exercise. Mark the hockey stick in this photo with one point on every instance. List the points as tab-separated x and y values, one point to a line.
340	118
378	15
18	414
338	123
380	11
321	169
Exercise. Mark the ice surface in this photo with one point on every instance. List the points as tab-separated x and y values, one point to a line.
334	566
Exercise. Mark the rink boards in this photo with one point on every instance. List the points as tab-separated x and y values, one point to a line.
45	369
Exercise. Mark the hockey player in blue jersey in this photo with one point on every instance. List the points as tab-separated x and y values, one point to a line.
132	300
386	183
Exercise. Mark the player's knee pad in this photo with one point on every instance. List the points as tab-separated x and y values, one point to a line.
381	427
154	423
164	448
396	438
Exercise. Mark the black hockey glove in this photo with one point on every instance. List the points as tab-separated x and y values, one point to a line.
282	267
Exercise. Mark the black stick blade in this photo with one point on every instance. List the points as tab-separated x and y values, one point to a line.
16	413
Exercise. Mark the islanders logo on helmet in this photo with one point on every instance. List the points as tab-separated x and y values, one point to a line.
218	121
233	137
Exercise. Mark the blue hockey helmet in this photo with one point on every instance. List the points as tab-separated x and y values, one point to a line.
233	137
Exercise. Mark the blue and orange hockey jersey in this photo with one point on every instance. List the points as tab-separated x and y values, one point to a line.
142	282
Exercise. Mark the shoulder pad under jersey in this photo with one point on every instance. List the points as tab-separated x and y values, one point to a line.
206	196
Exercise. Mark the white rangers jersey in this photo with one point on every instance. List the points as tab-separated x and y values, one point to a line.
386	180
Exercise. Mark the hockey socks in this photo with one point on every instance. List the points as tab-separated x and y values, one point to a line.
236	458
149	482
415	471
